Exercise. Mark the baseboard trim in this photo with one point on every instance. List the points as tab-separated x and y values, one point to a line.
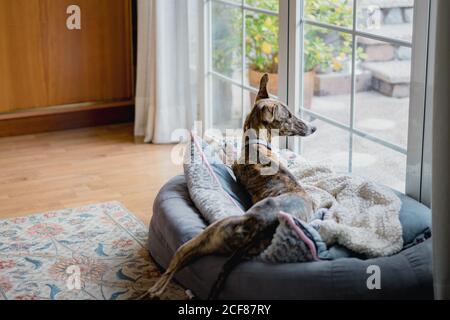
67	119
75	107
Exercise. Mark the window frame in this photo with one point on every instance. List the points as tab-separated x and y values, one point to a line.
292	24
207	73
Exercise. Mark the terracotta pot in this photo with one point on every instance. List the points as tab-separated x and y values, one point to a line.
254	78
308	88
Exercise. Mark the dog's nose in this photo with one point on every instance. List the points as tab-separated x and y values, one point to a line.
313	129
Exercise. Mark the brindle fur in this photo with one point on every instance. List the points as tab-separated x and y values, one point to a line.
248	235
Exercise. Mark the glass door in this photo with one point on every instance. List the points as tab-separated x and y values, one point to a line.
357	69
356	82
244	43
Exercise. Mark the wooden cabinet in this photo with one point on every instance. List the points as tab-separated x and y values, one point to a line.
44	64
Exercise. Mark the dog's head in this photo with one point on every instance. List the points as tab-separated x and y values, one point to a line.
271	114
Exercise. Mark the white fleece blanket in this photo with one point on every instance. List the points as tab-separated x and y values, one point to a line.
362	215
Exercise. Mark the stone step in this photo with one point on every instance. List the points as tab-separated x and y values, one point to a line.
396	31
381	52
386	4
391	71
337	83
385	52
390	78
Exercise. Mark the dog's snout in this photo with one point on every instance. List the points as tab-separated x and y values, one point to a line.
313	129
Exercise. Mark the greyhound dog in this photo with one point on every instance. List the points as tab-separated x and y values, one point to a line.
248	235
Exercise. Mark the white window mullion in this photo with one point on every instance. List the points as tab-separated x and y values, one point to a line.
248	8
283	52
418	122
295	69
353	92
425	194
205	63
359	33
244	53
355	131
283	56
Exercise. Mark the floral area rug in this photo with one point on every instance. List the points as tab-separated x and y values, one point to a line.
96	252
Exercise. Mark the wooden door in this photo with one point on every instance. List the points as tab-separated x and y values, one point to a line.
43	63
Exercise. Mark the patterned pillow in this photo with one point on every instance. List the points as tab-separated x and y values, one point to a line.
205	188
231	186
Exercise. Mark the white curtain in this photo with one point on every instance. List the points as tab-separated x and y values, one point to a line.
166	88
441	154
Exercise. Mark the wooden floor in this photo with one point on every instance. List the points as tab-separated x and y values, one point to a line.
72	168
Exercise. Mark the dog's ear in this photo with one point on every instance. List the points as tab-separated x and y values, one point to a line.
263	94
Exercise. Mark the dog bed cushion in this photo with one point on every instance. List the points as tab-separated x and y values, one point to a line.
175	220
414	216
216	194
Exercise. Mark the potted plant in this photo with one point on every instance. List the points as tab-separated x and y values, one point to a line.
325	51
317	57
261	45
262	50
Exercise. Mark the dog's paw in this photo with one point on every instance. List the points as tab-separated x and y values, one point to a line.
154	297
318	217
155	292
316	224
150	295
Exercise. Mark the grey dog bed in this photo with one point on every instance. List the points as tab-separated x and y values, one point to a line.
406	275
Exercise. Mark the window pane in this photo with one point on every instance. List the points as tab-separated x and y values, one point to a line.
227	40
227	105
328	73
249	100
271	5
383	109
335	12
329	146
388	18
262	49
378	163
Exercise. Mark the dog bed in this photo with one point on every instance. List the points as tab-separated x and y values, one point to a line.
406	275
